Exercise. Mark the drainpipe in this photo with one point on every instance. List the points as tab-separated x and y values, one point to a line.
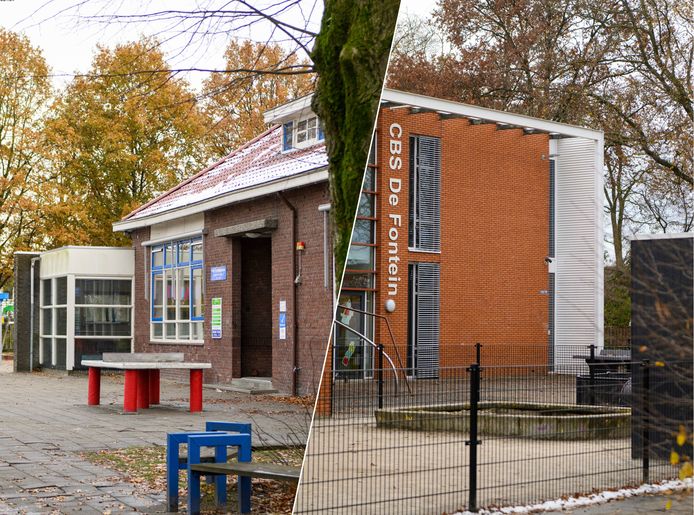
31	317
295	325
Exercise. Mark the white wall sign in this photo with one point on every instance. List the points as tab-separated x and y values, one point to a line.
216	317
283	320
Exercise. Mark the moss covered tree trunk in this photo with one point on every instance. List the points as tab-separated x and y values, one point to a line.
350	55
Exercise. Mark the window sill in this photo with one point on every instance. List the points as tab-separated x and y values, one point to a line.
422	251
176	342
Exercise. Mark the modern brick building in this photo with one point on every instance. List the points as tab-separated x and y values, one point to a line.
474	226
234	265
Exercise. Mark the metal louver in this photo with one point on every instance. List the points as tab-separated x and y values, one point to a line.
425	193
425	337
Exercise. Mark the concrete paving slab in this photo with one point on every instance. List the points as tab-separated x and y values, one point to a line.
46	424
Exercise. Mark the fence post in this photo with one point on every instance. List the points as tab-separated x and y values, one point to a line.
591	374
473	442
645	420
380	376
478	353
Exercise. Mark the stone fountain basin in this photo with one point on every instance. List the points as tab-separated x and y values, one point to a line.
540	421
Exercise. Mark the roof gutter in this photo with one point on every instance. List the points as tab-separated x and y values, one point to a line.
492	115
304	179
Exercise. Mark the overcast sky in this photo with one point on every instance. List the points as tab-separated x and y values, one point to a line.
69	42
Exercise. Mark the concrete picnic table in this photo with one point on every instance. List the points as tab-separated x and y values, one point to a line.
142	370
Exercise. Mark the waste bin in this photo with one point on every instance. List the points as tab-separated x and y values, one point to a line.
609	389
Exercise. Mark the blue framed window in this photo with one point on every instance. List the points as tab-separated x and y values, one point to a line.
302	133
287	136
177	304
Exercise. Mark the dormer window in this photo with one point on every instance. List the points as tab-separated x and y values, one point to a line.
302	133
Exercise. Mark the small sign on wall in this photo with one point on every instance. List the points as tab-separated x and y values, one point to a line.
283	320
216	317
218	273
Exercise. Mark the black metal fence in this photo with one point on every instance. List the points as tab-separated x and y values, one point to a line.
493	433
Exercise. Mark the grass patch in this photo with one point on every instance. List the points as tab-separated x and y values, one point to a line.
146	467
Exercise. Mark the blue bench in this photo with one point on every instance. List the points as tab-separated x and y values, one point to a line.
232	434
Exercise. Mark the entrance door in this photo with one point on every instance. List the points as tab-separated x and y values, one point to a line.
352	354
256	307
423	348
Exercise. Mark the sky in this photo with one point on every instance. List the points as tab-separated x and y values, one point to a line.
68	41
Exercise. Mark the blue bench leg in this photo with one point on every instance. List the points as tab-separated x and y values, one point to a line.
171	474
193	493
244	484
220	481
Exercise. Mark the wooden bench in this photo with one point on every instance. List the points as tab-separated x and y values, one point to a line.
261	470
245	471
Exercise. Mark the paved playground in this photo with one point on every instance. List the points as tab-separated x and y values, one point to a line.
45	423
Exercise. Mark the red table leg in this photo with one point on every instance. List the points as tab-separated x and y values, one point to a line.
154	386
142	389
94	388
195	390
130	394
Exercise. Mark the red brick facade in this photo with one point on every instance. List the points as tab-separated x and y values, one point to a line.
494	233
494	238
314	301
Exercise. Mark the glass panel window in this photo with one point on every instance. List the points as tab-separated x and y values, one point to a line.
61	321
184	331
184	253
183	294
301	131
177	297
307	130
360	258
197	303
369	179
197	251
61	290
357	281
366	205
170	295
158	296
157	257
111	292
47	322
169	254
363	231
311	128
196	330
93	321
47	292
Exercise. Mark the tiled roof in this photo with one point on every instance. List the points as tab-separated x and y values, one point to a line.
259	161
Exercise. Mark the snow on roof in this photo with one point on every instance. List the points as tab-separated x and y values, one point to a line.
258	162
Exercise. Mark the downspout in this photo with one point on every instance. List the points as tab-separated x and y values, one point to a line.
295	325
31	317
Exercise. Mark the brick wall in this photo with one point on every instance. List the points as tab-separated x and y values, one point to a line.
494	234
314	302
22	313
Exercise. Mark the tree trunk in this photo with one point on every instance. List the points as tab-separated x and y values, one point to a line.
350	56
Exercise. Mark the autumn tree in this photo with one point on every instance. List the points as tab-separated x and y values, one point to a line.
119	135
235	101
349	56
624	66
24	92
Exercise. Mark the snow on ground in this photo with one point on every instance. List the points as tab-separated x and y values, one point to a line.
602	497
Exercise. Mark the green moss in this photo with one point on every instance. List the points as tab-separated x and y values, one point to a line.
350	56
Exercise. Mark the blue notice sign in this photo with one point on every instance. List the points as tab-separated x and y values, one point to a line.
283	325
4	295
218	273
